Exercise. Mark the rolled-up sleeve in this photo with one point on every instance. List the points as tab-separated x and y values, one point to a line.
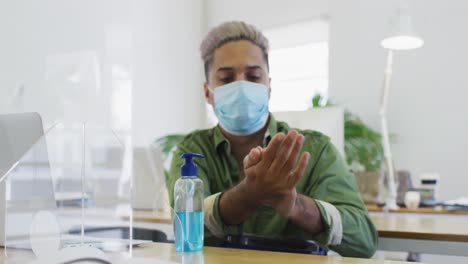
212	219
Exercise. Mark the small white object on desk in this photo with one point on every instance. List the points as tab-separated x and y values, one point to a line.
412	199
462	201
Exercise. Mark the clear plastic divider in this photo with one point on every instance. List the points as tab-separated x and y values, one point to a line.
44	193
71	195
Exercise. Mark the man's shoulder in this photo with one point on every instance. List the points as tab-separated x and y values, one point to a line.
311	136
314	135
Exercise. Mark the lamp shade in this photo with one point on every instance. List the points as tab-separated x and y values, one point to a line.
402	35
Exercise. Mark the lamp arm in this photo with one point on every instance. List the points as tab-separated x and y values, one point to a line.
386	83
391	198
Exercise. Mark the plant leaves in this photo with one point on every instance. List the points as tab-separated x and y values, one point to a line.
168	143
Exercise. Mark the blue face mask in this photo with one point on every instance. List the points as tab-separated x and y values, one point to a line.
241	107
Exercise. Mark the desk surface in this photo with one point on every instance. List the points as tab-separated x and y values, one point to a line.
148	216
213	255
388	225
416	227
226	255
421	210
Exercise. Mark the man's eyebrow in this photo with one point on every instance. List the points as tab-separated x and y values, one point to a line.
254	67
225	69
250	67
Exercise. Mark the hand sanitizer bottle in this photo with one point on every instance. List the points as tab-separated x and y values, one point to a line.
188	205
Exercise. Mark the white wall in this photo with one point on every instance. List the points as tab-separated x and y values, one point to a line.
168	95
428	89
118	63
263	13
43	43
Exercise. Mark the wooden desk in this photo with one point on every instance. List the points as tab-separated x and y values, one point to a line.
213	255
421	210
420	230
148	216
229	256
433	234
413	227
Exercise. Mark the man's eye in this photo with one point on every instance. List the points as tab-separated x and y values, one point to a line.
253	78
226	79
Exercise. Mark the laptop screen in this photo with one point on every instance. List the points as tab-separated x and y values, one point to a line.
24	163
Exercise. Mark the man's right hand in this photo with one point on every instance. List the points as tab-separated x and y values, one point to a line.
272	174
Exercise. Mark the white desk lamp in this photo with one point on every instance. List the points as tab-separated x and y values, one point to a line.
402	37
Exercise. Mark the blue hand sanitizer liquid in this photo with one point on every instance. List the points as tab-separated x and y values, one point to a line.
188	205
191	225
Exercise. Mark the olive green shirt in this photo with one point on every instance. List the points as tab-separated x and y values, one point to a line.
327	180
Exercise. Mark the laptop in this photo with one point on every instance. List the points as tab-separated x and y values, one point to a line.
22	138
18	133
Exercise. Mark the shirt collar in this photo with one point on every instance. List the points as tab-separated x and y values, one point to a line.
218	137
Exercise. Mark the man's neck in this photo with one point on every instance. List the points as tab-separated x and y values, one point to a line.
244	140
255	139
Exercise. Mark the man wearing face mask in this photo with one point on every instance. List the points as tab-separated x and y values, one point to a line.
260	176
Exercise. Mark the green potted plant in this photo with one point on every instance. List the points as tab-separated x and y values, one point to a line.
363	145
364	152
168	143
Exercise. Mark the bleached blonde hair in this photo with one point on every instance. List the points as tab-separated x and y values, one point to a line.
228	32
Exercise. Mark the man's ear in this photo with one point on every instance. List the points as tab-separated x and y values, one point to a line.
206	92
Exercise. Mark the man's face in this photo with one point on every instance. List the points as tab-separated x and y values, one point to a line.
236	61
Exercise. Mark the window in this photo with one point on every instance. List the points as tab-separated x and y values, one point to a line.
298	64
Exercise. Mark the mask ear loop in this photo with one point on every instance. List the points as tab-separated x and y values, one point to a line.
211	90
